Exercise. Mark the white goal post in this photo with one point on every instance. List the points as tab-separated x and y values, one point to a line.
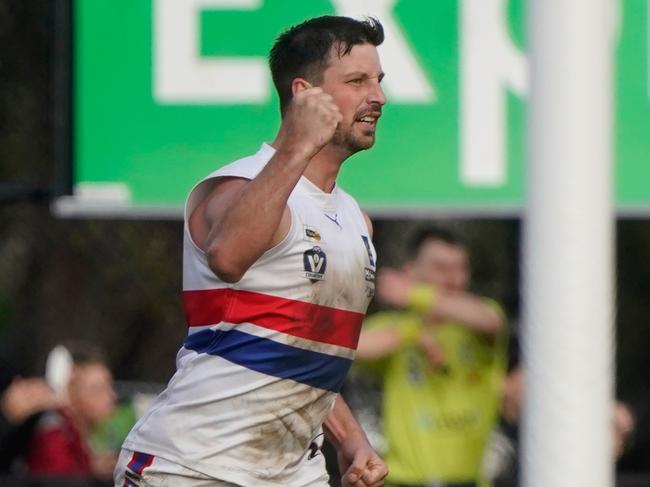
568	245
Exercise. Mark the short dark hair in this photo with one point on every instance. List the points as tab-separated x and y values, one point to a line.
84	353
302	51
423	235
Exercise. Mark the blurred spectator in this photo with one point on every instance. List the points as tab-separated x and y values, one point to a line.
60	444
624	426
21	401
109	435
501	461
442	358
632	419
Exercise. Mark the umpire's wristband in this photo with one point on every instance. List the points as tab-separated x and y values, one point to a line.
422	299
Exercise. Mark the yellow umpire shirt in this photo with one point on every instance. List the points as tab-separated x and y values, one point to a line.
437	421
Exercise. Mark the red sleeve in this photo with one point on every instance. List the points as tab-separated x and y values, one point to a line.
52	452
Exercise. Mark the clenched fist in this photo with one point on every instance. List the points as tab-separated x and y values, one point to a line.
310	121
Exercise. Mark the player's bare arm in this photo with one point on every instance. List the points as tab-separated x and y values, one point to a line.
359	464
241	219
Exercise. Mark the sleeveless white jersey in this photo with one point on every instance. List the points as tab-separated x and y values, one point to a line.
265	357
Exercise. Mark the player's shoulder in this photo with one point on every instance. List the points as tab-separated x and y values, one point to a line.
247	167
244	168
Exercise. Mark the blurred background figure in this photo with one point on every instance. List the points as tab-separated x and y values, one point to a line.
632	424
624	426
60	443
441	355
22	400
501	459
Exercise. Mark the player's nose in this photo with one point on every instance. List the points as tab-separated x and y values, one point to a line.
376	95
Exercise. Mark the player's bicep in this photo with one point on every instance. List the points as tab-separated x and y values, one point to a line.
206	220
212	208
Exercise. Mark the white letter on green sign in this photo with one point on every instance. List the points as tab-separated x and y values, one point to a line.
490	65
182	76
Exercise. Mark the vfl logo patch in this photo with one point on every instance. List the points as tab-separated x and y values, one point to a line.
315	262
311	234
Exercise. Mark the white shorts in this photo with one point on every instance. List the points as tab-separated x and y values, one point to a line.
136	469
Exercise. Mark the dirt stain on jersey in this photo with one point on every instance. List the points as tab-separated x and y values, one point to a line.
279	444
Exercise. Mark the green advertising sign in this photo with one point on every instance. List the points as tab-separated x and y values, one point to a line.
165	91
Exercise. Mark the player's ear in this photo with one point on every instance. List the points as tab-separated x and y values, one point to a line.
299	84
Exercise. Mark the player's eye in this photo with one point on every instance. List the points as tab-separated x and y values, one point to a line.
356	81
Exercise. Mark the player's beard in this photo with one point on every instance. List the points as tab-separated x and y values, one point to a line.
351	142
349	139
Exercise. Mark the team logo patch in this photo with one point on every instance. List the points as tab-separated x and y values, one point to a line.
311	234
315	262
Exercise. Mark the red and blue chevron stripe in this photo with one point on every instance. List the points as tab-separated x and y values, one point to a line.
139	461
298	319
